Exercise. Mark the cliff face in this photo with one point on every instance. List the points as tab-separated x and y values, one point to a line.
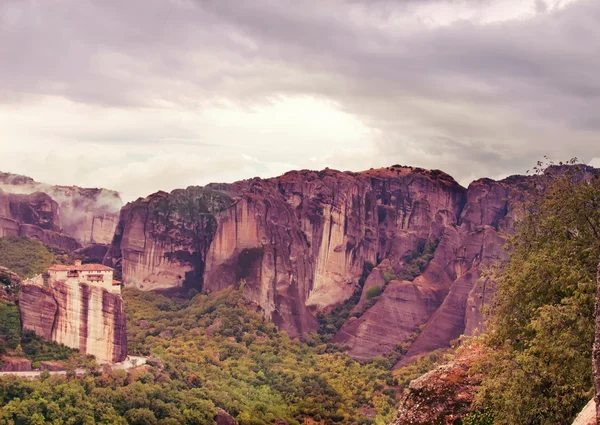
55	214
298	244
35	216
83	317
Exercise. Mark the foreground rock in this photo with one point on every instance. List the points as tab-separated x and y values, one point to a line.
443	396
587	415
596	352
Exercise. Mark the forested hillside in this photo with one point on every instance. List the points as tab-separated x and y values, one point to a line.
213	352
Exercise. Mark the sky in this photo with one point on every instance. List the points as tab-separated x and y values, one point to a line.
148	95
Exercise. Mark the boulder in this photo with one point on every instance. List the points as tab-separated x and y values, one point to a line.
224	418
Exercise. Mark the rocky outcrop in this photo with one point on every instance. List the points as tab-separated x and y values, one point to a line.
443	396
475	243
15	364
52	366
298	244
88	215
34	216
224	418
84	216
83	317
587	416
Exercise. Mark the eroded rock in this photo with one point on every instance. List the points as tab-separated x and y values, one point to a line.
83	317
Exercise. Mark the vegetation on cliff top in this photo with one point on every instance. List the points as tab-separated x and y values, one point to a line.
24	256
541	331
187	218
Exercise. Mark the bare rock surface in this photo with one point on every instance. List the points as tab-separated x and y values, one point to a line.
442	396
588	415
15	364
38	309
83	317
298	244
224	418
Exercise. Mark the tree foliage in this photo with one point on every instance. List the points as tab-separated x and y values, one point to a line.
24	256
541	330
219	353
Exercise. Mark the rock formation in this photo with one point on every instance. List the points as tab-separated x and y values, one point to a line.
443	396
298	244
75	215
34	216
587	416
84	317
15	364
9	284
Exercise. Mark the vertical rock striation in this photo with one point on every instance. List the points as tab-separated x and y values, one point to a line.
83	317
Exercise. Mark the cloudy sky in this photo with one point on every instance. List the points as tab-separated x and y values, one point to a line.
142	95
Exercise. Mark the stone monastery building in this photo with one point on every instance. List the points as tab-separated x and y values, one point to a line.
91	274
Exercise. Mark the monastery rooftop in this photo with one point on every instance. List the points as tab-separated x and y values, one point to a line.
80	268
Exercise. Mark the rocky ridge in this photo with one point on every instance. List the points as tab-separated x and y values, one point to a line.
298	245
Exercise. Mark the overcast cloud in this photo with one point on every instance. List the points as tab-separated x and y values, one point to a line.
145	95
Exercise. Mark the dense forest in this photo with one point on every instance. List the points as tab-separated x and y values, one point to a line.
213	352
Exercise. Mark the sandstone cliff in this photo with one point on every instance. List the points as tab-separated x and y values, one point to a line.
62	216
298	244
87	318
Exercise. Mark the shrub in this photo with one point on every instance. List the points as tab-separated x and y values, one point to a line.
389	275
373	292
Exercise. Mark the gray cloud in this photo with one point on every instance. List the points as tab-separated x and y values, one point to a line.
473	98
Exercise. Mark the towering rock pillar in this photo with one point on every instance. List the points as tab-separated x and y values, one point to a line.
84	317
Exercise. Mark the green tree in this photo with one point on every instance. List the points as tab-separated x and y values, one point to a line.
373	292
538	367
